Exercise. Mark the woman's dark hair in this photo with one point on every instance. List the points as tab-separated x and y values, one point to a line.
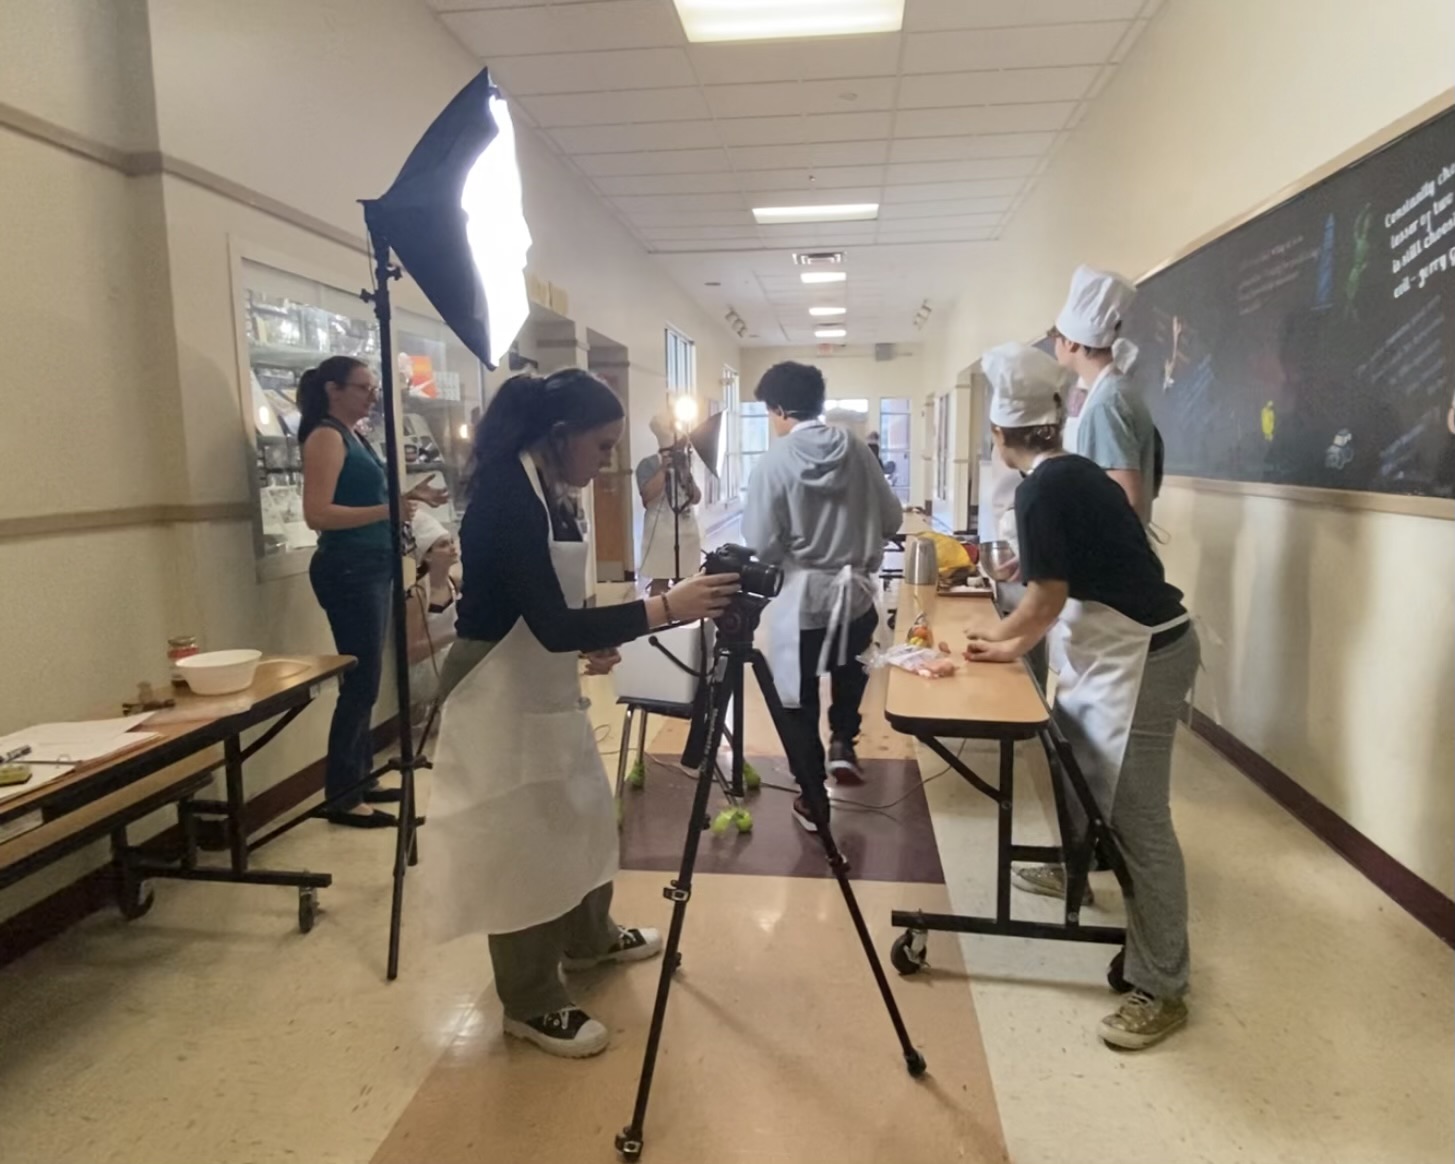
795	389
527	408
313	390
1034	438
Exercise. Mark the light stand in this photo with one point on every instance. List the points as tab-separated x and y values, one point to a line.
405	847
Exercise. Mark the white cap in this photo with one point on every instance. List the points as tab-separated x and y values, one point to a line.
427	531
664	429
1095	307
1028	387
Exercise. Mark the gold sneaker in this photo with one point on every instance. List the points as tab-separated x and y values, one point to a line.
1142	1021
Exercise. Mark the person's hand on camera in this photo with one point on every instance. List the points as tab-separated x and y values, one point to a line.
701	596
601	662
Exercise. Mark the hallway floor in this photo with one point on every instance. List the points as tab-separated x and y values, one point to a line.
211	1030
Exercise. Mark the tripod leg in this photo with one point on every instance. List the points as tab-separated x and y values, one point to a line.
679	893
738	738
816	796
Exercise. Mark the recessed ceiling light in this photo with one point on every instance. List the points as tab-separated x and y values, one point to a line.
817	258
712	20
830	332
849	212
827	310
823	276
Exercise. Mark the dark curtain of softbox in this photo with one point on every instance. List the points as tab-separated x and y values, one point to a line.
421	218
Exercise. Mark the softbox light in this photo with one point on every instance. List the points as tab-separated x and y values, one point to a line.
454	218
706	441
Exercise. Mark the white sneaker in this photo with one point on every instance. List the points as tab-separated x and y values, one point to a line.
1046	881
569	1033
631	945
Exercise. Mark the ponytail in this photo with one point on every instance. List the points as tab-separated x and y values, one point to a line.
528	408
313	391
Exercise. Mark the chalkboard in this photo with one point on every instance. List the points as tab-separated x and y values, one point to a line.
1315	344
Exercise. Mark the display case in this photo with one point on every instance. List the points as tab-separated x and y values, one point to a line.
291	323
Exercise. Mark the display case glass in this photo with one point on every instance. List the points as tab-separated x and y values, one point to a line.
292	323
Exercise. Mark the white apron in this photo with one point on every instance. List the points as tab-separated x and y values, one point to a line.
659	559
782	622
1072	428
1099	655
521	820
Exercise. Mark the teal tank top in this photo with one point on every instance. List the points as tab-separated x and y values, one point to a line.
361	482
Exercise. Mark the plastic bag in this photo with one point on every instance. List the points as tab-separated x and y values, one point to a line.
923	661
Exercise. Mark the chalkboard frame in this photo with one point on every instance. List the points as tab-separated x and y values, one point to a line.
1442	508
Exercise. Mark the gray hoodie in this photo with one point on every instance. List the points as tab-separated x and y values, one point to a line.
818	501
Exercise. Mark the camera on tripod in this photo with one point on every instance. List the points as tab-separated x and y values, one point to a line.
758	584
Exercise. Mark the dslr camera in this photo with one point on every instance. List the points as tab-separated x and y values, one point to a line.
758	584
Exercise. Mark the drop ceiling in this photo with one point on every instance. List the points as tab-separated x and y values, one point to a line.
946	124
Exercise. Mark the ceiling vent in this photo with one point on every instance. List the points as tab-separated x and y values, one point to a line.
818	258
883	353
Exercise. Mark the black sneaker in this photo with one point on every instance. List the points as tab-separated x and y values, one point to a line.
631	945
569	1033
803	816
844	762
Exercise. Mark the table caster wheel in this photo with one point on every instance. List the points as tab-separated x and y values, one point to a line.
752	779
907	955
307	909
915	1062
136	900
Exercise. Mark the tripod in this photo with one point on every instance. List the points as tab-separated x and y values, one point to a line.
723	684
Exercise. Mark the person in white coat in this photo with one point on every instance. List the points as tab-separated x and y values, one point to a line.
1108	422
522	825
1125	655
671	540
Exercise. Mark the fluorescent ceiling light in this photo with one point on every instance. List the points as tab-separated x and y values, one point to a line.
824	276
830	332
713	20
827	310
782	215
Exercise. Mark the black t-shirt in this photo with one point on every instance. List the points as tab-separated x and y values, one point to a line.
1076	526
507	572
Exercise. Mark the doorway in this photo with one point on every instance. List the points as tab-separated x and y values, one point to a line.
612	490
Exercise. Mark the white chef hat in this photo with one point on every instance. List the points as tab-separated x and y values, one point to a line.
427	531
664	429
1028	387
1095	307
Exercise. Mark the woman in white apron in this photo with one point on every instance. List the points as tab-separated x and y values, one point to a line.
671	540
522	841
1125	656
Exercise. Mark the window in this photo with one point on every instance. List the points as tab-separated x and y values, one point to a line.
732	435
754	430
942	447
853	404
894	443
681	362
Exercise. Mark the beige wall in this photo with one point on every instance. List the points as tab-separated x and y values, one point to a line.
1337	625
122	326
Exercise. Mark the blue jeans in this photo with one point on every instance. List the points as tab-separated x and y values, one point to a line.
353	587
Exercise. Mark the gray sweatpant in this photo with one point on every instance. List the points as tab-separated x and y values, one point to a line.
1158	959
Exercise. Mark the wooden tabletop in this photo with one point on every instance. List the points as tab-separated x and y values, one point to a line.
981	699
197	722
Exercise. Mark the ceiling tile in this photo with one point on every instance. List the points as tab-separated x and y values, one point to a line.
748	131
704	233
807	178
767	99
960	148
843	153
797	60
897	211
592	72
717	183
939	15
948	223
1011	48
1051	115
933	90
653	218
657	135
943	191
810	197
607	24
664	162
935	237
1121	51
618	108
910	173
630	206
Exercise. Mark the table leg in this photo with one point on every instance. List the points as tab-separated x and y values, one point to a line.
237	829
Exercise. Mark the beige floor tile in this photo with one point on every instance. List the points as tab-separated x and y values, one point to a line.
777	1048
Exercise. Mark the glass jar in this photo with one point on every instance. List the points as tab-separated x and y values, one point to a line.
179	648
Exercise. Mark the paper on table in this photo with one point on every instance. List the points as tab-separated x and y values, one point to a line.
40	775
80	731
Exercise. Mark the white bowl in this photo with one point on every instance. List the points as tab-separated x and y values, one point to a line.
220	672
